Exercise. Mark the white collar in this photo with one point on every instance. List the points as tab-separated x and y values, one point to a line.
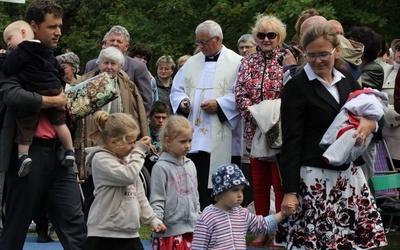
337	75
396	66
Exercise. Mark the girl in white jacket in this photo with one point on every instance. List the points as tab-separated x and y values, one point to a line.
120	202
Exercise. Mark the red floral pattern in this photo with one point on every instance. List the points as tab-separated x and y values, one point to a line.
336	211
176	242
259	78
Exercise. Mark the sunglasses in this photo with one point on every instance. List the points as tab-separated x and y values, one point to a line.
270	35
397	48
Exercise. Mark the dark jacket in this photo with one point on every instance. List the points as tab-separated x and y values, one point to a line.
163	94
372	76
35	65
396	94
307	110
13	98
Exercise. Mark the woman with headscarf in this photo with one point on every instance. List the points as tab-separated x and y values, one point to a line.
70	63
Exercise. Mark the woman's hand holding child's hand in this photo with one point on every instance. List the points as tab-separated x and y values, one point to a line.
284	213
291	211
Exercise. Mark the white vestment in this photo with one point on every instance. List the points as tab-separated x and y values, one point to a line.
201	81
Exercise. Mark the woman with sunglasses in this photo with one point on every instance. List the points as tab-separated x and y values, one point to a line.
335	208
260	78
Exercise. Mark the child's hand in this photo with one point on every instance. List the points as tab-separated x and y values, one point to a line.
161	228
292	209
153	149
284	213
146	140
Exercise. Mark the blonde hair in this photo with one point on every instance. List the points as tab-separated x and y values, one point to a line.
18	26
175	125
117	125
277	25
167	60
183	59
327	32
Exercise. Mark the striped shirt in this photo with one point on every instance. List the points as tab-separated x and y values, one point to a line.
218	229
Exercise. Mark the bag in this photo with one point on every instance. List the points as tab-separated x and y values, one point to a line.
90	95
391	205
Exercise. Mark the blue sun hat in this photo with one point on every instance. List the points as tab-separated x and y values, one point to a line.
227	176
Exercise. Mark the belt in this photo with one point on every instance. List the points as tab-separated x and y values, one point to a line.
48	143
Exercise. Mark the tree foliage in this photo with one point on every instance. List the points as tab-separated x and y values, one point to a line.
167	26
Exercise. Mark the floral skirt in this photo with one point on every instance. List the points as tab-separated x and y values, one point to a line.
177	242
336	211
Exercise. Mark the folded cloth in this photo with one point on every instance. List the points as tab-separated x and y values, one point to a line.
267	139
338	142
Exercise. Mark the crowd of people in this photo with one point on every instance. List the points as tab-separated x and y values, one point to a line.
200	123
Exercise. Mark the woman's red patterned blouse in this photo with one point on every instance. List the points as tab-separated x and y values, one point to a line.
259	78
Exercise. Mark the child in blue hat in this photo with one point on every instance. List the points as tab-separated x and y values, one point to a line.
225	224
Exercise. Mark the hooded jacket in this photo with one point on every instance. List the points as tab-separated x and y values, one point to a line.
174	196
219	229
35	65
120	202
132	104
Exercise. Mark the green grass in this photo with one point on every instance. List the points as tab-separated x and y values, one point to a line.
145	232
393	237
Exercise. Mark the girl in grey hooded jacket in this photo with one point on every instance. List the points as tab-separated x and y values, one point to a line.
174	196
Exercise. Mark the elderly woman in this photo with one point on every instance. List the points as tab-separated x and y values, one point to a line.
260	78
110	60
70	63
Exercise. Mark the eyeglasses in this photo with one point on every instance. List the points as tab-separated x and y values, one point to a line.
204	42
270	35
397	48
245	47
322	56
